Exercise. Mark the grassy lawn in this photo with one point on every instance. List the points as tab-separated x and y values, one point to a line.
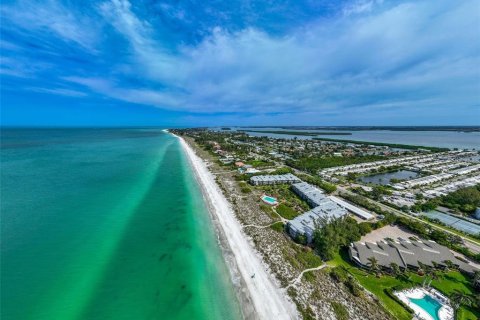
286	212
447	283
260	163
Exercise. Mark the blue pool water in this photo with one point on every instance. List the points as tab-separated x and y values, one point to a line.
430	305
270	199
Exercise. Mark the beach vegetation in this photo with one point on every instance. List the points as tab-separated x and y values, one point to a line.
245	189
308	258
278	226
340	311
269	211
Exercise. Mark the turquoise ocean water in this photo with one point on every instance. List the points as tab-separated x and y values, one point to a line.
106	224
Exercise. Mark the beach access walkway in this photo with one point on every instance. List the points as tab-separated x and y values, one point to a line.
299	277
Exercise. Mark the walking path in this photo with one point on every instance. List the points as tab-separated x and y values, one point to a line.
283	220
297	279
260	226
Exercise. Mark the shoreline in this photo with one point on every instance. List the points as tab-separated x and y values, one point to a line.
259	297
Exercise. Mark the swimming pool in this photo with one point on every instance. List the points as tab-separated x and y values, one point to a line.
429	304
269	200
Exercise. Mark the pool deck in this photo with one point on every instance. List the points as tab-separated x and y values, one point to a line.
445	312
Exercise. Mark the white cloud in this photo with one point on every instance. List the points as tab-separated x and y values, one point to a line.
60	91
374	56
149	55
134	95
52	17
409	52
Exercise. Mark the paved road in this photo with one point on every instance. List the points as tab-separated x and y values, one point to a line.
470	243
473	245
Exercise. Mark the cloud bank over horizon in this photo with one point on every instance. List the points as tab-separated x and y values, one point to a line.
242	62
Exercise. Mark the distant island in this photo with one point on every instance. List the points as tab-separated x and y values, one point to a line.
384	144
388	128
301	133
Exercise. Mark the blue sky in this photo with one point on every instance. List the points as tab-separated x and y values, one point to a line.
240	62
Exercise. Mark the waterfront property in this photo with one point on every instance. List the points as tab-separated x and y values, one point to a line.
434	178
385	178
274	179
423	181
306	223
312	195
405	253
269	200
427	303
325	208
315	197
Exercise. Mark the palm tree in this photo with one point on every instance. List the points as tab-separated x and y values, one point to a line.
448	264
373	264
395	269
476	279
477	300
433	276
458	298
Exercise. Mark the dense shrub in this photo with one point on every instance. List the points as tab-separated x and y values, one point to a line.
278	227
313	164
331	236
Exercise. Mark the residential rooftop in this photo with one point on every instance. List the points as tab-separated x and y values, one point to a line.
405	253
274	179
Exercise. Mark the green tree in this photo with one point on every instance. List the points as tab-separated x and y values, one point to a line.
373	264
449	264
433	275
476	279
330	236
395	269
459	297
365	228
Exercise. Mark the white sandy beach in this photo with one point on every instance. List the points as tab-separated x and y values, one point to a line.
268	299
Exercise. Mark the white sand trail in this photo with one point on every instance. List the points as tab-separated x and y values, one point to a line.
269	300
